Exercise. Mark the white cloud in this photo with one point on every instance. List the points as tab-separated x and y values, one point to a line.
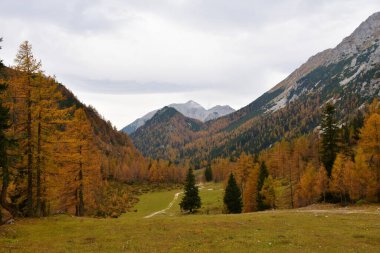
128	57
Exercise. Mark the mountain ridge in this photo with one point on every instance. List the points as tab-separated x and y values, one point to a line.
189	109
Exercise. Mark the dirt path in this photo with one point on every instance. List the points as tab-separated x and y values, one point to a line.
164	210
339	211
200	185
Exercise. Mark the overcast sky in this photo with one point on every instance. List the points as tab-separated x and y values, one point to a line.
128	57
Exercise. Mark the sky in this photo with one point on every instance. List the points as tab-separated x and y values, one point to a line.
129	57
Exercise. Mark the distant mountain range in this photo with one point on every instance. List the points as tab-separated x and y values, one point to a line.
347	76
190	109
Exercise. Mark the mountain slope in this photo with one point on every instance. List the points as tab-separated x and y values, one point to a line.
113	145
138	122
75	152
190	109
165	133
347	75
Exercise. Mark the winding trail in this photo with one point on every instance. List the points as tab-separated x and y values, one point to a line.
200	185
166	209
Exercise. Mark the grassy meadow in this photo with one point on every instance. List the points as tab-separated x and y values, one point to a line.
303	230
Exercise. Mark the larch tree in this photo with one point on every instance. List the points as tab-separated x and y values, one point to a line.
329	138
244	166
338	178
366	178
28	67
351	180
49	121
191	200
370	142
322	182
308	190
250	191
232	196
82	168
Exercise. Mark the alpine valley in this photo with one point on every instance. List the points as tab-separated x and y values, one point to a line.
302	161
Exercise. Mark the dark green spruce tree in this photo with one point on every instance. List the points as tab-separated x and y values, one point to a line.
4	143
208	173
232	196
329	138
191	200
263	174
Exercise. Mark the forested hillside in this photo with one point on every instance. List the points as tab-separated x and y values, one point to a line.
61	156
338	164
166	133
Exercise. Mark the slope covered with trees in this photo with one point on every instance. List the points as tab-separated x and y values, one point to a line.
64	156
165	134
293	174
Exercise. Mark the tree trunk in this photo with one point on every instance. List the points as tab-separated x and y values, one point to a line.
80	203
4	188
291	187
38	167
4	191
30	155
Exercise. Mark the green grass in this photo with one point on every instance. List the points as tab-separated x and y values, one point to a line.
273	231
154	201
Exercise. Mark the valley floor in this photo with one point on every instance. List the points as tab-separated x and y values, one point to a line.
313	229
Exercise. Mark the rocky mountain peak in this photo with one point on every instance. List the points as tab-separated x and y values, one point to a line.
190	109
357	56
363	37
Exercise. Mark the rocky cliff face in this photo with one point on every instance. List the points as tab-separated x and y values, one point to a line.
355	61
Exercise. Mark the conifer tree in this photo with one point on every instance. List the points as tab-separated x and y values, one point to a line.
322	182
191	200
370	142
4	143
308	190
329	142
208	173
268	193
263	174
84	159
49	122
232	196
28	67
338	175
250	191
4	118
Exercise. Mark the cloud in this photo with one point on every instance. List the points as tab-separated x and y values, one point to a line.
213	52
133	87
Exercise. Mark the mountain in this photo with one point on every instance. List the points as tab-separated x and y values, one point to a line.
165	133
190	109
218	111
347	75
138	122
